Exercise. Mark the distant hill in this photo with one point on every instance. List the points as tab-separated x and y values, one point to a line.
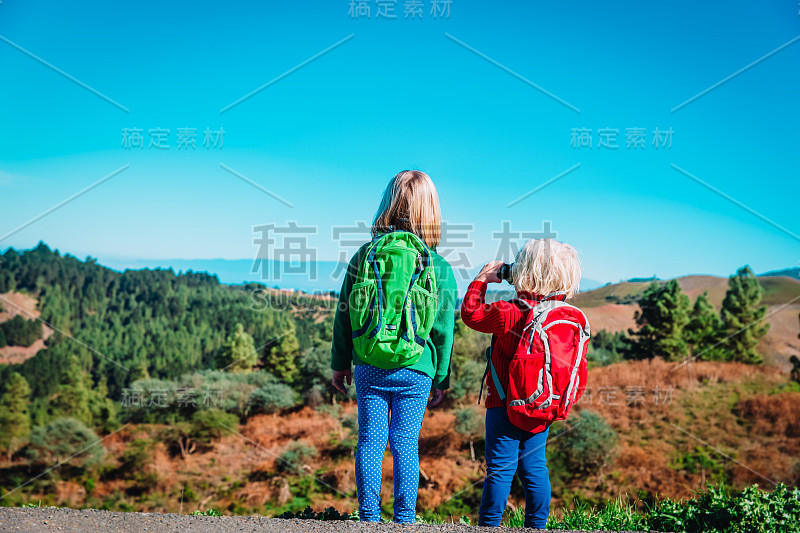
299	275
789	272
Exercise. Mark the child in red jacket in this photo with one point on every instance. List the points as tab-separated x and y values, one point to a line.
544	269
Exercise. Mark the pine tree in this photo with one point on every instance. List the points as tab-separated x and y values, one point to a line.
73	394
15	420
239	353
280	360
741	317
102	407
664	311
702	333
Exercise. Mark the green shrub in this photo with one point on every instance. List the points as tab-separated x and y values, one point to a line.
210	424
271	398
585	444
466	379
136	456
65	439
295	455
334	411
606	348
469	422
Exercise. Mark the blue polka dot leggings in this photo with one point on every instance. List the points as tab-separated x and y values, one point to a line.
403	393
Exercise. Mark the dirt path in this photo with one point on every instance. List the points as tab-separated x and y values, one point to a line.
42	519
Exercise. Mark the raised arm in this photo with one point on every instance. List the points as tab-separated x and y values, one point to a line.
497	317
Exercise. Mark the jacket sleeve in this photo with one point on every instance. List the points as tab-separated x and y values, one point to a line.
444	326
342	345
496	318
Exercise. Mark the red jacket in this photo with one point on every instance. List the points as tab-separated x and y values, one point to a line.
505	320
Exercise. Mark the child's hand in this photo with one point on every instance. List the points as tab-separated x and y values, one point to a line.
488	273
436	397
339	377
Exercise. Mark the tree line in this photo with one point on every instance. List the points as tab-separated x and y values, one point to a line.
670	326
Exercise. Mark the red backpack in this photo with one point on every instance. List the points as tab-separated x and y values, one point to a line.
547	373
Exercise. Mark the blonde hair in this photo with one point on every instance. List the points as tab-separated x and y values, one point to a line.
410	203
543	266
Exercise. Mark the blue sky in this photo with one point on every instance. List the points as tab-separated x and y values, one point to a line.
401	94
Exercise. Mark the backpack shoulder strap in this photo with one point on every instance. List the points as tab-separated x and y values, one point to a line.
495	378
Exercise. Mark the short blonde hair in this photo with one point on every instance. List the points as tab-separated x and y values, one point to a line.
411	203
544	266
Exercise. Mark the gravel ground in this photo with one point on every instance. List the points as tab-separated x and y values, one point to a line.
41	519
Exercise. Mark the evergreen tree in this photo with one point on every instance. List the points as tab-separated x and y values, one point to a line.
280	360
663	314
741	317
15	420
702	333
102	407
239	353
73	394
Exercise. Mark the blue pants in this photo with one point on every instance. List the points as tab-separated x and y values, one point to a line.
404	393
506	447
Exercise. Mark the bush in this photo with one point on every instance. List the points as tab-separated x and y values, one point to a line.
315	367
230	392
211	424
606	348
585	444
469	422
466	379
271	398
136	456
296	454
65	439
234	389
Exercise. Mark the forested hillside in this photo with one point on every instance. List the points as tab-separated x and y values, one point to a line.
112	329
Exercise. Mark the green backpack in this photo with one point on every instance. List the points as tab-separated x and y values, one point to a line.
393	300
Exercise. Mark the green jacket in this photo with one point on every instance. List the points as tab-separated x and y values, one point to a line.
435	360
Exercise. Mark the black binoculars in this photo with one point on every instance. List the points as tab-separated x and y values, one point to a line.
505	271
